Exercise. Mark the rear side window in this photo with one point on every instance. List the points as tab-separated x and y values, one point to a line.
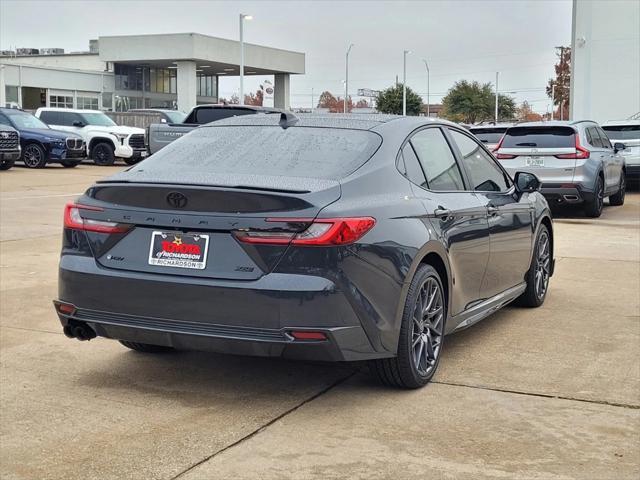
488	135
622	132
437	160
208	115
605	140
413	170
539	137
593	137
324	153
50	118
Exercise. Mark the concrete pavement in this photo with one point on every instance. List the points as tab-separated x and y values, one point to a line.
551	393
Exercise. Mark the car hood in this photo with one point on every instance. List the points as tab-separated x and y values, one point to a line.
47	132
117	129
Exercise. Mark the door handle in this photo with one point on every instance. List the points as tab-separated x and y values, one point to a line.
442	213
492	211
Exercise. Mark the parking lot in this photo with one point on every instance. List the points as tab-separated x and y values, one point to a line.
549	393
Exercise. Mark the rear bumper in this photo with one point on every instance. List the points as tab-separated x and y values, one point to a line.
236	317
558	194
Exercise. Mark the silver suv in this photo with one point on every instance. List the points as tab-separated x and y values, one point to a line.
575	162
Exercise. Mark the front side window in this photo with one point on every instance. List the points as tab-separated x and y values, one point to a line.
437	160
605	140
486	175
99	119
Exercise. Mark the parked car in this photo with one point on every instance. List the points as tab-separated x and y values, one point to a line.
9	146
40	144
160	135
490	135
320	237
105	140
574	160
628	133
167	116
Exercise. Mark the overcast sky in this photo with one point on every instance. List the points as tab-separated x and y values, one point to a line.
461	39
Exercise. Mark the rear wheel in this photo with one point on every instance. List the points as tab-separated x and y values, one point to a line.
593	208
145	347
618	199
102	154
537	277
69	163
34	156
6	164
421	334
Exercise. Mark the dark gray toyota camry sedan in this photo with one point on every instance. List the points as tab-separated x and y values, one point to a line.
338	238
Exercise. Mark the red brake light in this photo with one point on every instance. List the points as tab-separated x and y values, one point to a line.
319	232
73	219
581	152
504	156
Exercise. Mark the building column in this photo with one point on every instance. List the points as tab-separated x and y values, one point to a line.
186	85
3	89
281	91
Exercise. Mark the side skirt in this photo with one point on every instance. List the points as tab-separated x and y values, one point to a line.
487	307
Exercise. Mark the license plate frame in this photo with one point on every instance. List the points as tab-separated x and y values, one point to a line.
535	162
179	250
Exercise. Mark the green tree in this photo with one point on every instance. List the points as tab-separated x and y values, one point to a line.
472	102
390	101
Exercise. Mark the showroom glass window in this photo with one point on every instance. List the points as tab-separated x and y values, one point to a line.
486	175
87	103
61	101
437	160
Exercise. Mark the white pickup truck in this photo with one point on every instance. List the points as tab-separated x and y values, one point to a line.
105	140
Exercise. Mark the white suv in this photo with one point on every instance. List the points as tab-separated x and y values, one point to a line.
105	140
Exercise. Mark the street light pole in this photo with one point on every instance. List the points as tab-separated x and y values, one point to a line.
404	83
346	78
497	73
243	17
428	101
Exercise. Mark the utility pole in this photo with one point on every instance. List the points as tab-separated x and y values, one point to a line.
243	17
404	83
346	78
311	99
428	101
497	73
553	98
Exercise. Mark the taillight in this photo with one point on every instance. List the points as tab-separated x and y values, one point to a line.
73	219
319	232
504	156
581	152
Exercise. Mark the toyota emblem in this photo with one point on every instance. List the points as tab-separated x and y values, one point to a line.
176	200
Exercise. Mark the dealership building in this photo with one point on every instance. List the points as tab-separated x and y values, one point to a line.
141	71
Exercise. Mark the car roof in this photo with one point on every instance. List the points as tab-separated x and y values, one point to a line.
330	120
490	125
553	123
70	110
241	107
611	123
154	110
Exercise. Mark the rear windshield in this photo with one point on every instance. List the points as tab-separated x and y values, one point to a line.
325	153
623	132
488	135
540	137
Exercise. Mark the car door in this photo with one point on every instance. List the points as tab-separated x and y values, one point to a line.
67	120
457	215
615	161
599	151
509	215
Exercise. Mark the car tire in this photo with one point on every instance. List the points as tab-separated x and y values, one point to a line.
145	347
593	207
102	154
421	334
6	164
618	199
69	164
539	272
131	160
34	156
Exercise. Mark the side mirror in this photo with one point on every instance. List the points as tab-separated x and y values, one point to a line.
526	182
617	147
78	124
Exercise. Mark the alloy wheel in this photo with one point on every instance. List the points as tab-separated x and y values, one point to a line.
428	323
32	156
543	264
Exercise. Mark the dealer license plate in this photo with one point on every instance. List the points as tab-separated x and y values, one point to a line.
535	162
179	250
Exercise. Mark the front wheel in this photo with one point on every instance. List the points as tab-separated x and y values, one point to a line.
421	334
618	199
34	156
102	154
539	272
